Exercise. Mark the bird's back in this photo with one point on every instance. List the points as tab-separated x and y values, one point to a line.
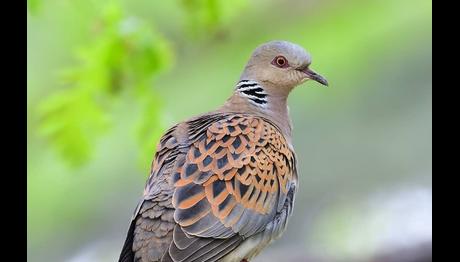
217	181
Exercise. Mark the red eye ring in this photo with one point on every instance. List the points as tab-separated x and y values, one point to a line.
280	61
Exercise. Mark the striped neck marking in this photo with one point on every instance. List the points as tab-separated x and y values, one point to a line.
253	91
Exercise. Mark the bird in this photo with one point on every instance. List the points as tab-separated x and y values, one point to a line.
222	184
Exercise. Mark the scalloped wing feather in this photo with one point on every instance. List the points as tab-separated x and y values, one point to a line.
224	177
234	178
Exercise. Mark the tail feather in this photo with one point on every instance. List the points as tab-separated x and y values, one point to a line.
127	254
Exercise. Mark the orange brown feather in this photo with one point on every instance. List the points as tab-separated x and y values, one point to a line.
241	160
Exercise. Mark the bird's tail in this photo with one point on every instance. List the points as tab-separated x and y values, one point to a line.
127	254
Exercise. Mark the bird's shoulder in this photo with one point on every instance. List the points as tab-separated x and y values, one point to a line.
235	172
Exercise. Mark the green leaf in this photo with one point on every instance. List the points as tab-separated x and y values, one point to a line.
72	120
204	16
124	57
34	6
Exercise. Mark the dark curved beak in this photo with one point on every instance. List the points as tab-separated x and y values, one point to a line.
315	76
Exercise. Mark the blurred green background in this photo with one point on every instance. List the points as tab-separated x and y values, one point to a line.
106	78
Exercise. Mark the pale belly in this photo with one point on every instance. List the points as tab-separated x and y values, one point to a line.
250	248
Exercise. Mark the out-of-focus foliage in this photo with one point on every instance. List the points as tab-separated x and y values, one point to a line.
204	16
124	56
33	5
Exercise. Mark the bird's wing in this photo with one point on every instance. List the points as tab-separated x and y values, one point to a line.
234	179
231	174
150	232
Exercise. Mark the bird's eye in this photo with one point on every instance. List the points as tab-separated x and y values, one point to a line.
280	61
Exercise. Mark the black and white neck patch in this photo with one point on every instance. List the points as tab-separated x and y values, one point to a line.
253	91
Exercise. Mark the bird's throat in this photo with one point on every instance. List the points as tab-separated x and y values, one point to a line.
252	97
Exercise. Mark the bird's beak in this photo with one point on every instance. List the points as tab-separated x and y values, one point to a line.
310	74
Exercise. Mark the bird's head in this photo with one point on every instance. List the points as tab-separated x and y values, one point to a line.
281	64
